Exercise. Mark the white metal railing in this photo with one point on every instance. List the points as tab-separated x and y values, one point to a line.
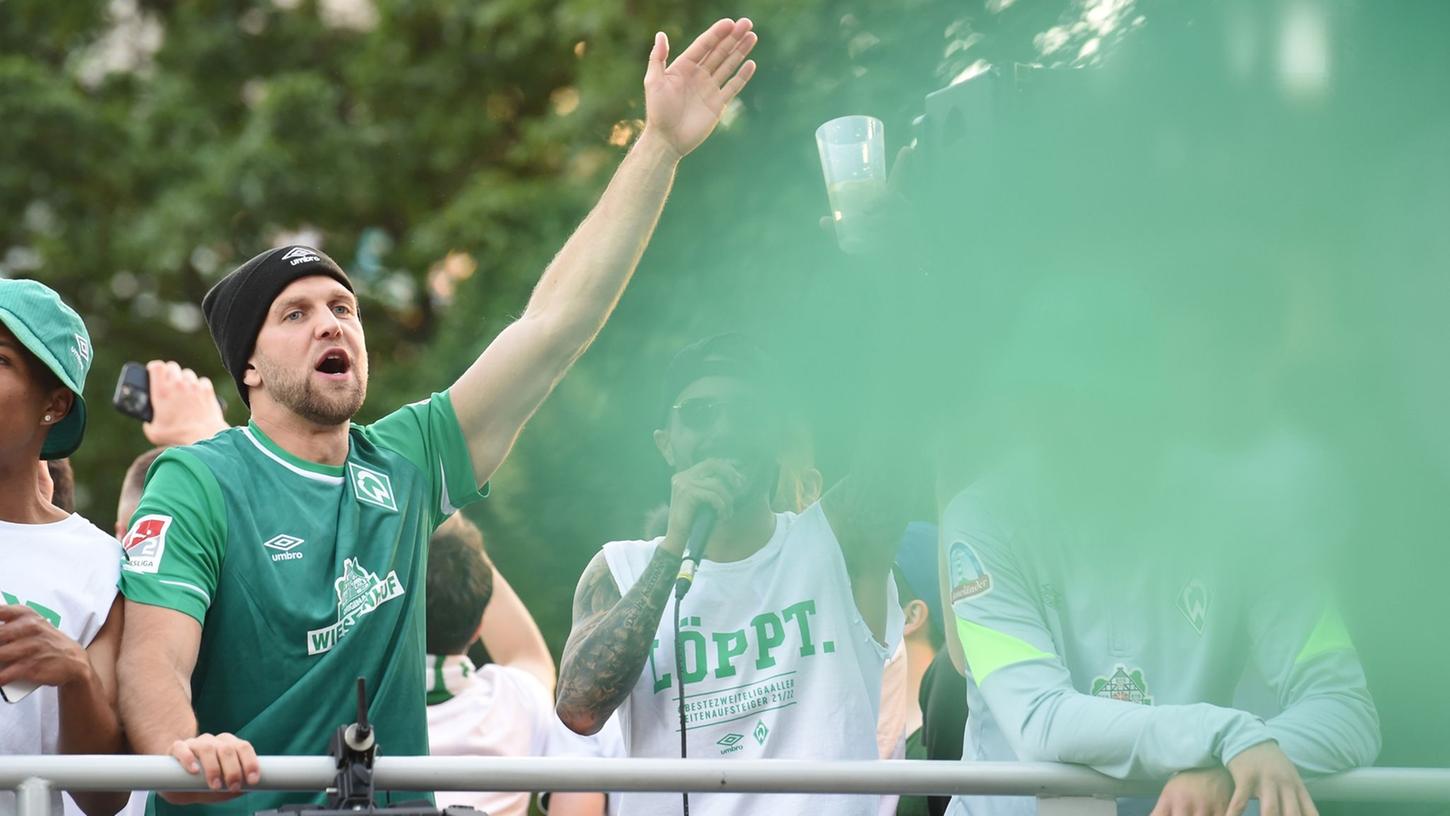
1060	789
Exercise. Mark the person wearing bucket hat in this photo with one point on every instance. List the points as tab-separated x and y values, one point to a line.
308	532
60	615
54	335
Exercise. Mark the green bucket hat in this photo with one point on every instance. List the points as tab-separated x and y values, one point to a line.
55	334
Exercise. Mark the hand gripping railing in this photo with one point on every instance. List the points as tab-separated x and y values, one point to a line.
1061	790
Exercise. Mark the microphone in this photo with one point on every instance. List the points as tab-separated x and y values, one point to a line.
700	531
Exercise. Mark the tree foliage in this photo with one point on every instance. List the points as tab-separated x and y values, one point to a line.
441	152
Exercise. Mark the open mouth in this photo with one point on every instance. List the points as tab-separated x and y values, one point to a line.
334	361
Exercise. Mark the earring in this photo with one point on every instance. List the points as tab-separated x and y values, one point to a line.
47	417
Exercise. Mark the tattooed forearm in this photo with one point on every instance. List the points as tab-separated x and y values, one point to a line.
611	640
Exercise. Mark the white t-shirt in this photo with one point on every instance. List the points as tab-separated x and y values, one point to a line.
495	711
500	711
67	571
778	664
607	744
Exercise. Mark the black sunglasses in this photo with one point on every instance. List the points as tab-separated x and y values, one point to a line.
701	413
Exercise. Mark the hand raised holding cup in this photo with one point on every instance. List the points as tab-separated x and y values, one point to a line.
853	161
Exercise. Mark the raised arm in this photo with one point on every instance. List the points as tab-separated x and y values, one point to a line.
579	289
184	407
511	635
889	477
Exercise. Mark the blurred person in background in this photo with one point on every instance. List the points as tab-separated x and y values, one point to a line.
798	485
132	483
60	615
943	701
309	533
607	744
1115	577
59	484
505	707
793	614
902	712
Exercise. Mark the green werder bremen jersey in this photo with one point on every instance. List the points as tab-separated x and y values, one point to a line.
303	577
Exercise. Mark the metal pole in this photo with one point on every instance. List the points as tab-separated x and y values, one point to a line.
914	777
33	798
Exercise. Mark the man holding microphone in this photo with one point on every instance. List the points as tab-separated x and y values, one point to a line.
790	619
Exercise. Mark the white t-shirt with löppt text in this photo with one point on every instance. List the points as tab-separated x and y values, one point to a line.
779	664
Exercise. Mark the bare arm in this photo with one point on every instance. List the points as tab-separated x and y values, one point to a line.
89	723
611	639
511	636
868	511
577	804
612	636
33	650
184	406
158	654
574	297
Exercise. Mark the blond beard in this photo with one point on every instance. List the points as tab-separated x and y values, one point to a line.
300	395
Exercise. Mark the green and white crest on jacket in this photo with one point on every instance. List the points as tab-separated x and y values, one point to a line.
1123	684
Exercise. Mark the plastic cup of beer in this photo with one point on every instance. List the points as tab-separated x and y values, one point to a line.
853	160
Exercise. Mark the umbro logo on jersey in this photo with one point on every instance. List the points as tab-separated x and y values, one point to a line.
372	487
297	255
284	545
146	543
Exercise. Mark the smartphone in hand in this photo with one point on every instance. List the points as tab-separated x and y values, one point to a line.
133	392
15	692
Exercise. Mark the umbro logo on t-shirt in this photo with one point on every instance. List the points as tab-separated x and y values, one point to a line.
284	545
372	487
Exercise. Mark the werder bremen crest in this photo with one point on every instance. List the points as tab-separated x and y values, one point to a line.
1125	685
359	592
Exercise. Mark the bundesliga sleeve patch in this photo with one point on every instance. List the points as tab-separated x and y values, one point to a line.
145	544
969	579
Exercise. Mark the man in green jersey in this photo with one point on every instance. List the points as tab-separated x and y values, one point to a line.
271	564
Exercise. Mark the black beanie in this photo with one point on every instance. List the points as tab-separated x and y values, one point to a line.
236	307
728	355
